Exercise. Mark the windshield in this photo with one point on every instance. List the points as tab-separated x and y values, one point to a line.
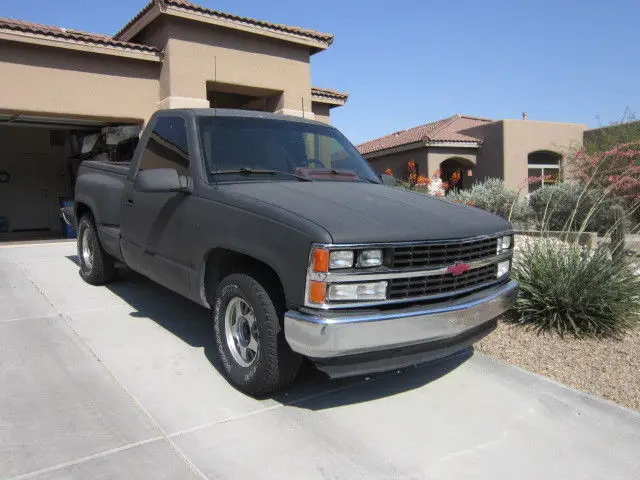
233	146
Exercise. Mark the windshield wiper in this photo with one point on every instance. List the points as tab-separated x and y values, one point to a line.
251	171
333	171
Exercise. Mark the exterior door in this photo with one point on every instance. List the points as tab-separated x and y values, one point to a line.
155	227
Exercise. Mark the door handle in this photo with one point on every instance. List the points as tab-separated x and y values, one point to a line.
129	202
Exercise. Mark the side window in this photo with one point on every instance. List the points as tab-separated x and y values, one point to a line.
167	146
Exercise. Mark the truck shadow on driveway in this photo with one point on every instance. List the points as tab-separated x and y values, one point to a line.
191	323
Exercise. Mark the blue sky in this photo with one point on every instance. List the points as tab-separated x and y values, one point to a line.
407	62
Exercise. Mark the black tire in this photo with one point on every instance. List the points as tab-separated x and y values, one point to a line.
96	266
274	366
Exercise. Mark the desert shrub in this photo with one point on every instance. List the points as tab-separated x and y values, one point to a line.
569	291
493	196
569	206
625	130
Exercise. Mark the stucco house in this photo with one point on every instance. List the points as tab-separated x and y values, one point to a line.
477	148
60	84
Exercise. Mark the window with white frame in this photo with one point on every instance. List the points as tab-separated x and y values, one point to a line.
544	169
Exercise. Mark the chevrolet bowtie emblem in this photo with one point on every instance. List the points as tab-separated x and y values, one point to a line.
458	268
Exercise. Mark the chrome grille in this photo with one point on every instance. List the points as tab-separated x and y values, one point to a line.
432	255
400	288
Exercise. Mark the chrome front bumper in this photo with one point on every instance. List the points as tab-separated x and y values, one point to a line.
342	335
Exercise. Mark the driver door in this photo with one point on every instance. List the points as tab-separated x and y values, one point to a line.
155	227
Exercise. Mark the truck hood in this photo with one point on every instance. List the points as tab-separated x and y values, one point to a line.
366	213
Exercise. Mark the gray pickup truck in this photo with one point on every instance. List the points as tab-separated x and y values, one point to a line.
299	249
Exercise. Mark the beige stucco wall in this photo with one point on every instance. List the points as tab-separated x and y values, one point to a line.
522	137
321	112
199	53
490	161
56	81
437	155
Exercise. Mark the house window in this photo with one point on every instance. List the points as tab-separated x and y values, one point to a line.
544	167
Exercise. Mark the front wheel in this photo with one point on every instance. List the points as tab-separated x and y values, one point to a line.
250	341
96	266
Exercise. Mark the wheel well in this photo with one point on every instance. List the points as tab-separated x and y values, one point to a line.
221	262
82	209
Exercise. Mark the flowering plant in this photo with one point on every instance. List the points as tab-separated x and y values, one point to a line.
423	181
615	171
433	185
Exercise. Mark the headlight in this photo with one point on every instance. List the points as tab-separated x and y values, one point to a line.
323	281
504	243
341	259
357	291
369	258
503	268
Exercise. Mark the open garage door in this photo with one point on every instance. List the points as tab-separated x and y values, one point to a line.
39	157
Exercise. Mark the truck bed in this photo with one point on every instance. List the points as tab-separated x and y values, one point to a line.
100	186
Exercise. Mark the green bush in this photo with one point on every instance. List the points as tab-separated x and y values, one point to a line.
554	205
562	289
493	196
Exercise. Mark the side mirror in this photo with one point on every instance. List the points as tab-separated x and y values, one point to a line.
388	180
161	180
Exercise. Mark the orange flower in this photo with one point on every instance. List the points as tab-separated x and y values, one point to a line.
422	180
388	171
412	166
455	177
471	203
445	186
413	177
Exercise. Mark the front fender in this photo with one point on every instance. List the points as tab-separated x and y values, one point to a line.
284	250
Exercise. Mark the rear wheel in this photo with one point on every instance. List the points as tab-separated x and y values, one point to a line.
254	354
96	266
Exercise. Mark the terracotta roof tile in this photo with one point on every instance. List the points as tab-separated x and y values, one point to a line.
325	37
71	35
135	18
325	92
445	130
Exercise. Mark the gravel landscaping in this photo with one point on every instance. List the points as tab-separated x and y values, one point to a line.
606	368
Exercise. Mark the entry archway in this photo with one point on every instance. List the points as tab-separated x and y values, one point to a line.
457	172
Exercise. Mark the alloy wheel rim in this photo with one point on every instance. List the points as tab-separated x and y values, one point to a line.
241	332
86	248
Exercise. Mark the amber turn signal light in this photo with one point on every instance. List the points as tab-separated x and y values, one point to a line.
317	291
320	260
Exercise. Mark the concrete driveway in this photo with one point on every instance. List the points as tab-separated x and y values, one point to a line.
122	382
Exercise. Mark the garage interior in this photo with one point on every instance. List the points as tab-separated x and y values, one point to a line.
38	167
